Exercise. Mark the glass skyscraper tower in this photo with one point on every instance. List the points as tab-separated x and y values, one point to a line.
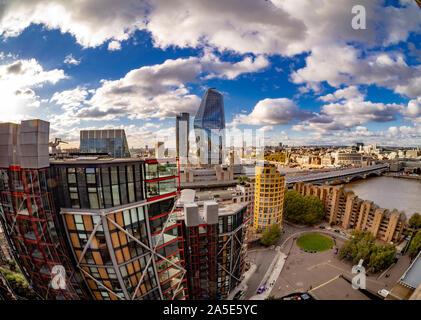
209	127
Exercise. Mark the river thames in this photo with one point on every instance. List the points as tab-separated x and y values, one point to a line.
390	193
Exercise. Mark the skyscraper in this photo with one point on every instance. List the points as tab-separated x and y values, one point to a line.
269	197
209	127
111	141
182	126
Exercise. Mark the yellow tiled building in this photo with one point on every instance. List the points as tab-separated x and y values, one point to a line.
269	197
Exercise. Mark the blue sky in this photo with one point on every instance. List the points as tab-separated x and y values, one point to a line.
303	76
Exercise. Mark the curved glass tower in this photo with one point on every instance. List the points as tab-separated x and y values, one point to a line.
209	127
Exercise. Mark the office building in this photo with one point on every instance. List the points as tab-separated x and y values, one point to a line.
349	159
182	130
268	197
345	209
209	127
159	149
111	141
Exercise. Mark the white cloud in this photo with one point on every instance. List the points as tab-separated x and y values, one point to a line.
91	22
69	59
18	82
348	93
114	45
272	112
161	90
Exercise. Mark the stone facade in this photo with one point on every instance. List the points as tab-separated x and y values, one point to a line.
345	209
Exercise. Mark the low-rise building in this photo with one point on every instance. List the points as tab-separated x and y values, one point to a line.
409	285
349	159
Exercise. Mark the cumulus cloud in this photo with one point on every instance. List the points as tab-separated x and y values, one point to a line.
159	90
90	22
69	59
273	112
286	27
114	45
18	82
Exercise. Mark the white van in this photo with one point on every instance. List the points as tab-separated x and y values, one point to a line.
383	293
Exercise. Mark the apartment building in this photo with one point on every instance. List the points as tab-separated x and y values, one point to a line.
345	209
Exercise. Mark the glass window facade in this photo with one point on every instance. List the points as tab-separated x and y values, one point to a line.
113	142
30	224
209	125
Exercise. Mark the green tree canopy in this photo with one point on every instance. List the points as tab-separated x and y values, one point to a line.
243	180
362	245
18	283
271	235
415	221
415	245
302	209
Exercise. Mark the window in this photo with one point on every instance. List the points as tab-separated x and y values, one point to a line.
151	170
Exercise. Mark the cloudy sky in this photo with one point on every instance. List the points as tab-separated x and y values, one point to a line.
294	68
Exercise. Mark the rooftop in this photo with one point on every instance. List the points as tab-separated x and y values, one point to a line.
412	276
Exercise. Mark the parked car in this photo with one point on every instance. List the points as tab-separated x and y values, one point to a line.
322	227
336	230
261	289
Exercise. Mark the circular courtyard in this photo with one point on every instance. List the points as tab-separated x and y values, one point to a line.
315	242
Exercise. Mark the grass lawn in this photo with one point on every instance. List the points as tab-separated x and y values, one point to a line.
315	242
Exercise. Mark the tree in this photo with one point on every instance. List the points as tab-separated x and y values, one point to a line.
415	221
19	285
243	180
271	235
415	245
362	245
302	209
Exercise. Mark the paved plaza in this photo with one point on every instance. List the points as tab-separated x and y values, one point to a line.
320	273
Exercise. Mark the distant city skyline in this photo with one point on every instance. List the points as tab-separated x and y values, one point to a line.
304	79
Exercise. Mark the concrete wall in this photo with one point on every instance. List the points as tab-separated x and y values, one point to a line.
24	145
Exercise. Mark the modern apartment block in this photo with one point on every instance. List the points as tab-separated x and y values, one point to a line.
114	214
111	141
209	126
28	217
104	220
348	211
215	243
113	224
268	197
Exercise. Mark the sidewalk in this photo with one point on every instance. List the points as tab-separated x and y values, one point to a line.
272	275
243	285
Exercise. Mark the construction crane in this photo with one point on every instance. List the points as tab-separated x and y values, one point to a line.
55	144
